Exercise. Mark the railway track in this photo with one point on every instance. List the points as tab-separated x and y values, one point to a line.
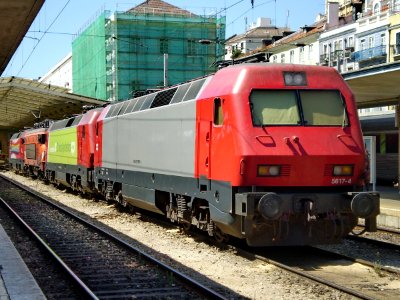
351	275
383	236
356	277
99	263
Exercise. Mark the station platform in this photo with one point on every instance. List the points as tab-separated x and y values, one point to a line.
390	207
16	281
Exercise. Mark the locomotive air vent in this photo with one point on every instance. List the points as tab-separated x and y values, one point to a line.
116	109
123	108
77	120
184	92
163	98
285	170
180	93
328	170
194	89
140	102
131	105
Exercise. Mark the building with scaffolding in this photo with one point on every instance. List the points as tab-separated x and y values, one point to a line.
121	54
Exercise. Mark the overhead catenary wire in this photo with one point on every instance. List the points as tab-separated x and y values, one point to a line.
40	39
255	6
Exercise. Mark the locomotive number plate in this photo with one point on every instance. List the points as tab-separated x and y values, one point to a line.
338	181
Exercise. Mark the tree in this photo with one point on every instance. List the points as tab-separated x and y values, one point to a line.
236	53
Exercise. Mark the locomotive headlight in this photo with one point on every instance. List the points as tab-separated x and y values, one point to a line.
295	78
270	206
343	170
268	170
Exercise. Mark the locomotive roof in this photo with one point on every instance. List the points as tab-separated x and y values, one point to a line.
223	82
74	120
175	94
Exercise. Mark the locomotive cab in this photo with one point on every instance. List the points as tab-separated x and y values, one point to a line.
291	147
16	152
35	146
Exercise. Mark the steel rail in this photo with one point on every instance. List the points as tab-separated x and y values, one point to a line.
82	286
331	284
358	260
290	269
202	289
376	242
383	229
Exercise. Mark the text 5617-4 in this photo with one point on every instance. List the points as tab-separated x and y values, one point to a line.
338	181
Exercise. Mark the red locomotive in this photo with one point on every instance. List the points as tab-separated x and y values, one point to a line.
16	151
35	151
269	153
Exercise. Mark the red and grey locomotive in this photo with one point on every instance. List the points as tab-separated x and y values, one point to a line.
272	154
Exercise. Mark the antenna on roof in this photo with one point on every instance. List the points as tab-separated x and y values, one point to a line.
287	19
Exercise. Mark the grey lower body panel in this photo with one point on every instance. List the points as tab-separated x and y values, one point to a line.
307	217
138	185
63	173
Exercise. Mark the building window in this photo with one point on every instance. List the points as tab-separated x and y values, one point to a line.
397	46
241	46
371	42
291	56
283	58
351	42
376	8
301	58
163	46
274	59
396	5
336	45
310	51
191	47
383	39
362	44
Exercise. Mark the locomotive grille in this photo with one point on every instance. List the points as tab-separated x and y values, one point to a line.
163	98
195	88
328	170
180	93
285	170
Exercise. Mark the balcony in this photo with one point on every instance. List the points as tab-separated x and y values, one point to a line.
324	59
336	56
371	56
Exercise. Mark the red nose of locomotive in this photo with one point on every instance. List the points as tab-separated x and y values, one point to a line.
304	158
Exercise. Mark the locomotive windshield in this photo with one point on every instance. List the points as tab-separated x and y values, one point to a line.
298	107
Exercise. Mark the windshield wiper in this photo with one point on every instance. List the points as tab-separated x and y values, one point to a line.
344	118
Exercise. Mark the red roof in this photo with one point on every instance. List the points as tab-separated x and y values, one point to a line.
158	7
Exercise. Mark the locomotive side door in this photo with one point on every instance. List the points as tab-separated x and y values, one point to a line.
203	155
81	136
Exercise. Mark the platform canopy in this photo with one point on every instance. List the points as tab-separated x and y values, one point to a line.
23	102
16	16
375	86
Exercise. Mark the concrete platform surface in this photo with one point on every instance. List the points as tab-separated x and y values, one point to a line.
390	207
16	281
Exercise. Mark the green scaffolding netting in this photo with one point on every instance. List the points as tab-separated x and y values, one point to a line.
120	54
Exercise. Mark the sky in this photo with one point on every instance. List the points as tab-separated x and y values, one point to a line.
50	37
